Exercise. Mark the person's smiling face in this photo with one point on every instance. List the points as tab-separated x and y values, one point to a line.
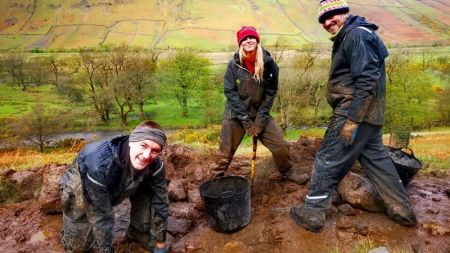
333	23
249	44
143	153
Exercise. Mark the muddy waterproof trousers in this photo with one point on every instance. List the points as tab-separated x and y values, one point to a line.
78	233
272	137
334	160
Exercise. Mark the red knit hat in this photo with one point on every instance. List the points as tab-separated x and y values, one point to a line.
247	31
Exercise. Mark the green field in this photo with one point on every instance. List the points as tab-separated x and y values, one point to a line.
203	24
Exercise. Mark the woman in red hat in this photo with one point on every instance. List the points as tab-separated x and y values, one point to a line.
250	86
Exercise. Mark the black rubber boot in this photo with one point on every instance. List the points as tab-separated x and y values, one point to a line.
404	217
295	177
308	218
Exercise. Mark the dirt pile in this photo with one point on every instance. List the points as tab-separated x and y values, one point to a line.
26	228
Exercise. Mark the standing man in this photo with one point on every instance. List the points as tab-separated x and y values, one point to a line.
250	86
104	174
356	92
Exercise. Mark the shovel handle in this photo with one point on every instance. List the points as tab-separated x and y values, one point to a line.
255	144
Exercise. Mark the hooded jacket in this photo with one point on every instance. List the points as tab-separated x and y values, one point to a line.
107	178
247	99
357	81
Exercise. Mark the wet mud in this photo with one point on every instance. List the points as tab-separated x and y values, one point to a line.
24	228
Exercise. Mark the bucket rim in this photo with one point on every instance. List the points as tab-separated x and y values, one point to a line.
210	181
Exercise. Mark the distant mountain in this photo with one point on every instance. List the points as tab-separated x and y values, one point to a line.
205	24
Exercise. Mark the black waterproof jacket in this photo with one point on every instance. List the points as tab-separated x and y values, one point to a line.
357	82
108	178
247	99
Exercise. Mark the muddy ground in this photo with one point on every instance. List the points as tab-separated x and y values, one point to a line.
24	228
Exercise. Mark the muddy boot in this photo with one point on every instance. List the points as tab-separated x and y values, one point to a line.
141	238
295	177
309	218
407	218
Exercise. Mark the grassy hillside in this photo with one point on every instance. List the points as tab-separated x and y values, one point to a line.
206	24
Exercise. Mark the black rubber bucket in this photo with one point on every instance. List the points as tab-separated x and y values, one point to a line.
227	202
407	165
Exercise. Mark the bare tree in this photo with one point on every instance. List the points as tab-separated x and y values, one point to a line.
16	66
56	66
89	66
37	70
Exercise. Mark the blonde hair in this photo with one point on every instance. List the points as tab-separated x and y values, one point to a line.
259	62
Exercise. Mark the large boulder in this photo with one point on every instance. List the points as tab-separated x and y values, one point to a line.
359	192
50	197
27	183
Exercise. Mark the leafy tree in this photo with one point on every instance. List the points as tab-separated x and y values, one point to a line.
212	99
121	88
300	99
408	97
141	73
85	74
182	74
39	126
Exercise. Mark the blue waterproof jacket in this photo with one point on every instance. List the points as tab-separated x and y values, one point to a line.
357	81
108	178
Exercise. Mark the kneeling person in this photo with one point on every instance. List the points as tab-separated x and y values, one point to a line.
104	174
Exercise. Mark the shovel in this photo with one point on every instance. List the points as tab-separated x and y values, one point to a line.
255	143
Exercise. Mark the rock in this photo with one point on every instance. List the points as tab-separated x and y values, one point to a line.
362	229
178	226
346	209
198	174
379	250
360	193
184	210
27	183
436	229
344	222
176	190
50	197
195	198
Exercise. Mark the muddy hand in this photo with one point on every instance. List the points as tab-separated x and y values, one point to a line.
254	130
348	132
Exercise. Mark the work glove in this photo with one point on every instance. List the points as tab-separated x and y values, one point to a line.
348	132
